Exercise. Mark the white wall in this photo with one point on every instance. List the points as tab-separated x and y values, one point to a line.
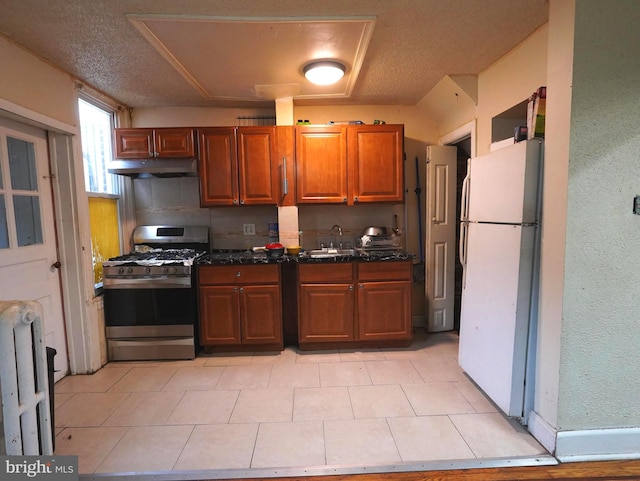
192	116
509	81
599	382
41	94
560	77
36	85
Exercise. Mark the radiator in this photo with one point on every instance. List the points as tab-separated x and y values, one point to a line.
24	379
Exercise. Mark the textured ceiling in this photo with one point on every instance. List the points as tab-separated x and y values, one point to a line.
413	44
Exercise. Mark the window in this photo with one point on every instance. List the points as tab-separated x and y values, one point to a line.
96	126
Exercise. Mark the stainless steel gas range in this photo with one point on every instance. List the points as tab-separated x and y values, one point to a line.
150	297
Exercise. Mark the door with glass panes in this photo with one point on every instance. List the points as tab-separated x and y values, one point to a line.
29	267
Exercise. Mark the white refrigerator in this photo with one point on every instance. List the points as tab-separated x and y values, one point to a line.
499	245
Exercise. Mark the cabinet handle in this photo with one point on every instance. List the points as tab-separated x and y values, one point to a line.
355	199
361	286
238	274
351	287
242	289
242	202
235	289
344	199
285	181
235	201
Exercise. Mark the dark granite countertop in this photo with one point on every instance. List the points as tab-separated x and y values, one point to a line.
249	257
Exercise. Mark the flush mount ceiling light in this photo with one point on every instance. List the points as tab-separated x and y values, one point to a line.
325	72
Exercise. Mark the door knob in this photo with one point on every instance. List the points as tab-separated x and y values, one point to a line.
55	265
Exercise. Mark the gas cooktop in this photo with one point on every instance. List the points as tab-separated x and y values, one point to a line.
156	257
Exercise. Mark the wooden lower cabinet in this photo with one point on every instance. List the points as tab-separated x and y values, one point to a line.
384	310
384	300
364	302
326	312
240	305
326	300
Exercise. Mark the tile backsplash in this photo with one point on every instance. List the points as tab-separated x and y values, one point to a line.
176	201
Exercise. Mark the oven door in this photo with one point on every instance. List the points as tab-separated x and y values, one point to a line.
145	324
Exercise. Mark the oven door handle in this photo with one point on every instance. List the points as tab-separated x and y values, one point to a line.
155	283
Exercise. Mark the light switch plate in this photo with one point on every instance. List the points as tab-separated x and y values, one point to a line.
249	229
636	205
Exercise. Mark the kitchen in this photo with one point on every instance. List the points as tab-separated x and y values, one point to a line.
490	101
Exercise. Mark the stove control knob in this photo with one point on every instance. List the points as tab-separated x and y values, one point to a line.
165	270
172	270
121	270
147	270
129	270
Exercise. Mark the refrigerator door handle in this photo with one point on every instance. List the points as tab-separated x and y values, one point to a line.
464	200
462	247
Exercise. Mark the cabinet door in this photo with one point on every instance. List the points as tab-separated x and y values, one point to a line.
384	310
321	165
257	166
219	315
326	312
134	143
376	164
261	314
175	143
285	170
217	167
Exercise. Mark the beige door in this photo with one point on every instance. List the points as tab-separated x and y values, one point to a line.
28	253
441	236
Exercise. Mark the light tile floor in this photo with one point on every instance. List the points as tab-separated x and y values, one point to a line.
291	409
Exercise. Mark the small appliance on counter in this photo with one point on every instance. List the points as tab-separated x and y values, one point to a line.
379	238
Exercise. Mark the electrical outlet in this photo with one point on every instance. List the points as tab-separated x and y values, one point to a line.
249	229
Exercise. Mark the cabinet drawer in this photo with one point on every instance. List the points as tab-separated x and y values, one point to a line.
330	272
383	271
239	274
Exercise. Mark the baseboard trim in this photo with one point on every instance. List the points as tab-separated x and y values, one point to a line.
598	444
542	431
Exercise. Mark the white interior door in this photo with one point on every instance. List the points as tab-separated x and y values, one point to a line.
28	253
441	236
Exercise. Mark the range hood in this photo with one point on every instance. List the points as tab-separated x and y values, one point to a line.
155	167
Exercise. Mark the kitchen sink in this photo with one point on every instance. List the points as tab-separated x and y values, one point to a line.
326	252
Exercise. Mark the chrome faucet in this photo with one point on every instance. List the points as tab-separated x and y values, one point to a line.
333	238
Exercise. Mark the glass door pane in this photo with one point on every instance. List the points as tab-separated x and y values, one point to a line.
22	164
23	172
28	223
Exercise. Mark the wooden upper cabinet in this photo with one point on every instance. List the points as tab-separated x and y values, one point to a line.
321	164
155	143
134	143
349	164
238	166
376	163
286	165
217	166
175	143
257	165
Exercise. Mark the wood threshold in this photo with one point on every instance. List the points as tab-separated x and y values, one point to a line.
595	470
